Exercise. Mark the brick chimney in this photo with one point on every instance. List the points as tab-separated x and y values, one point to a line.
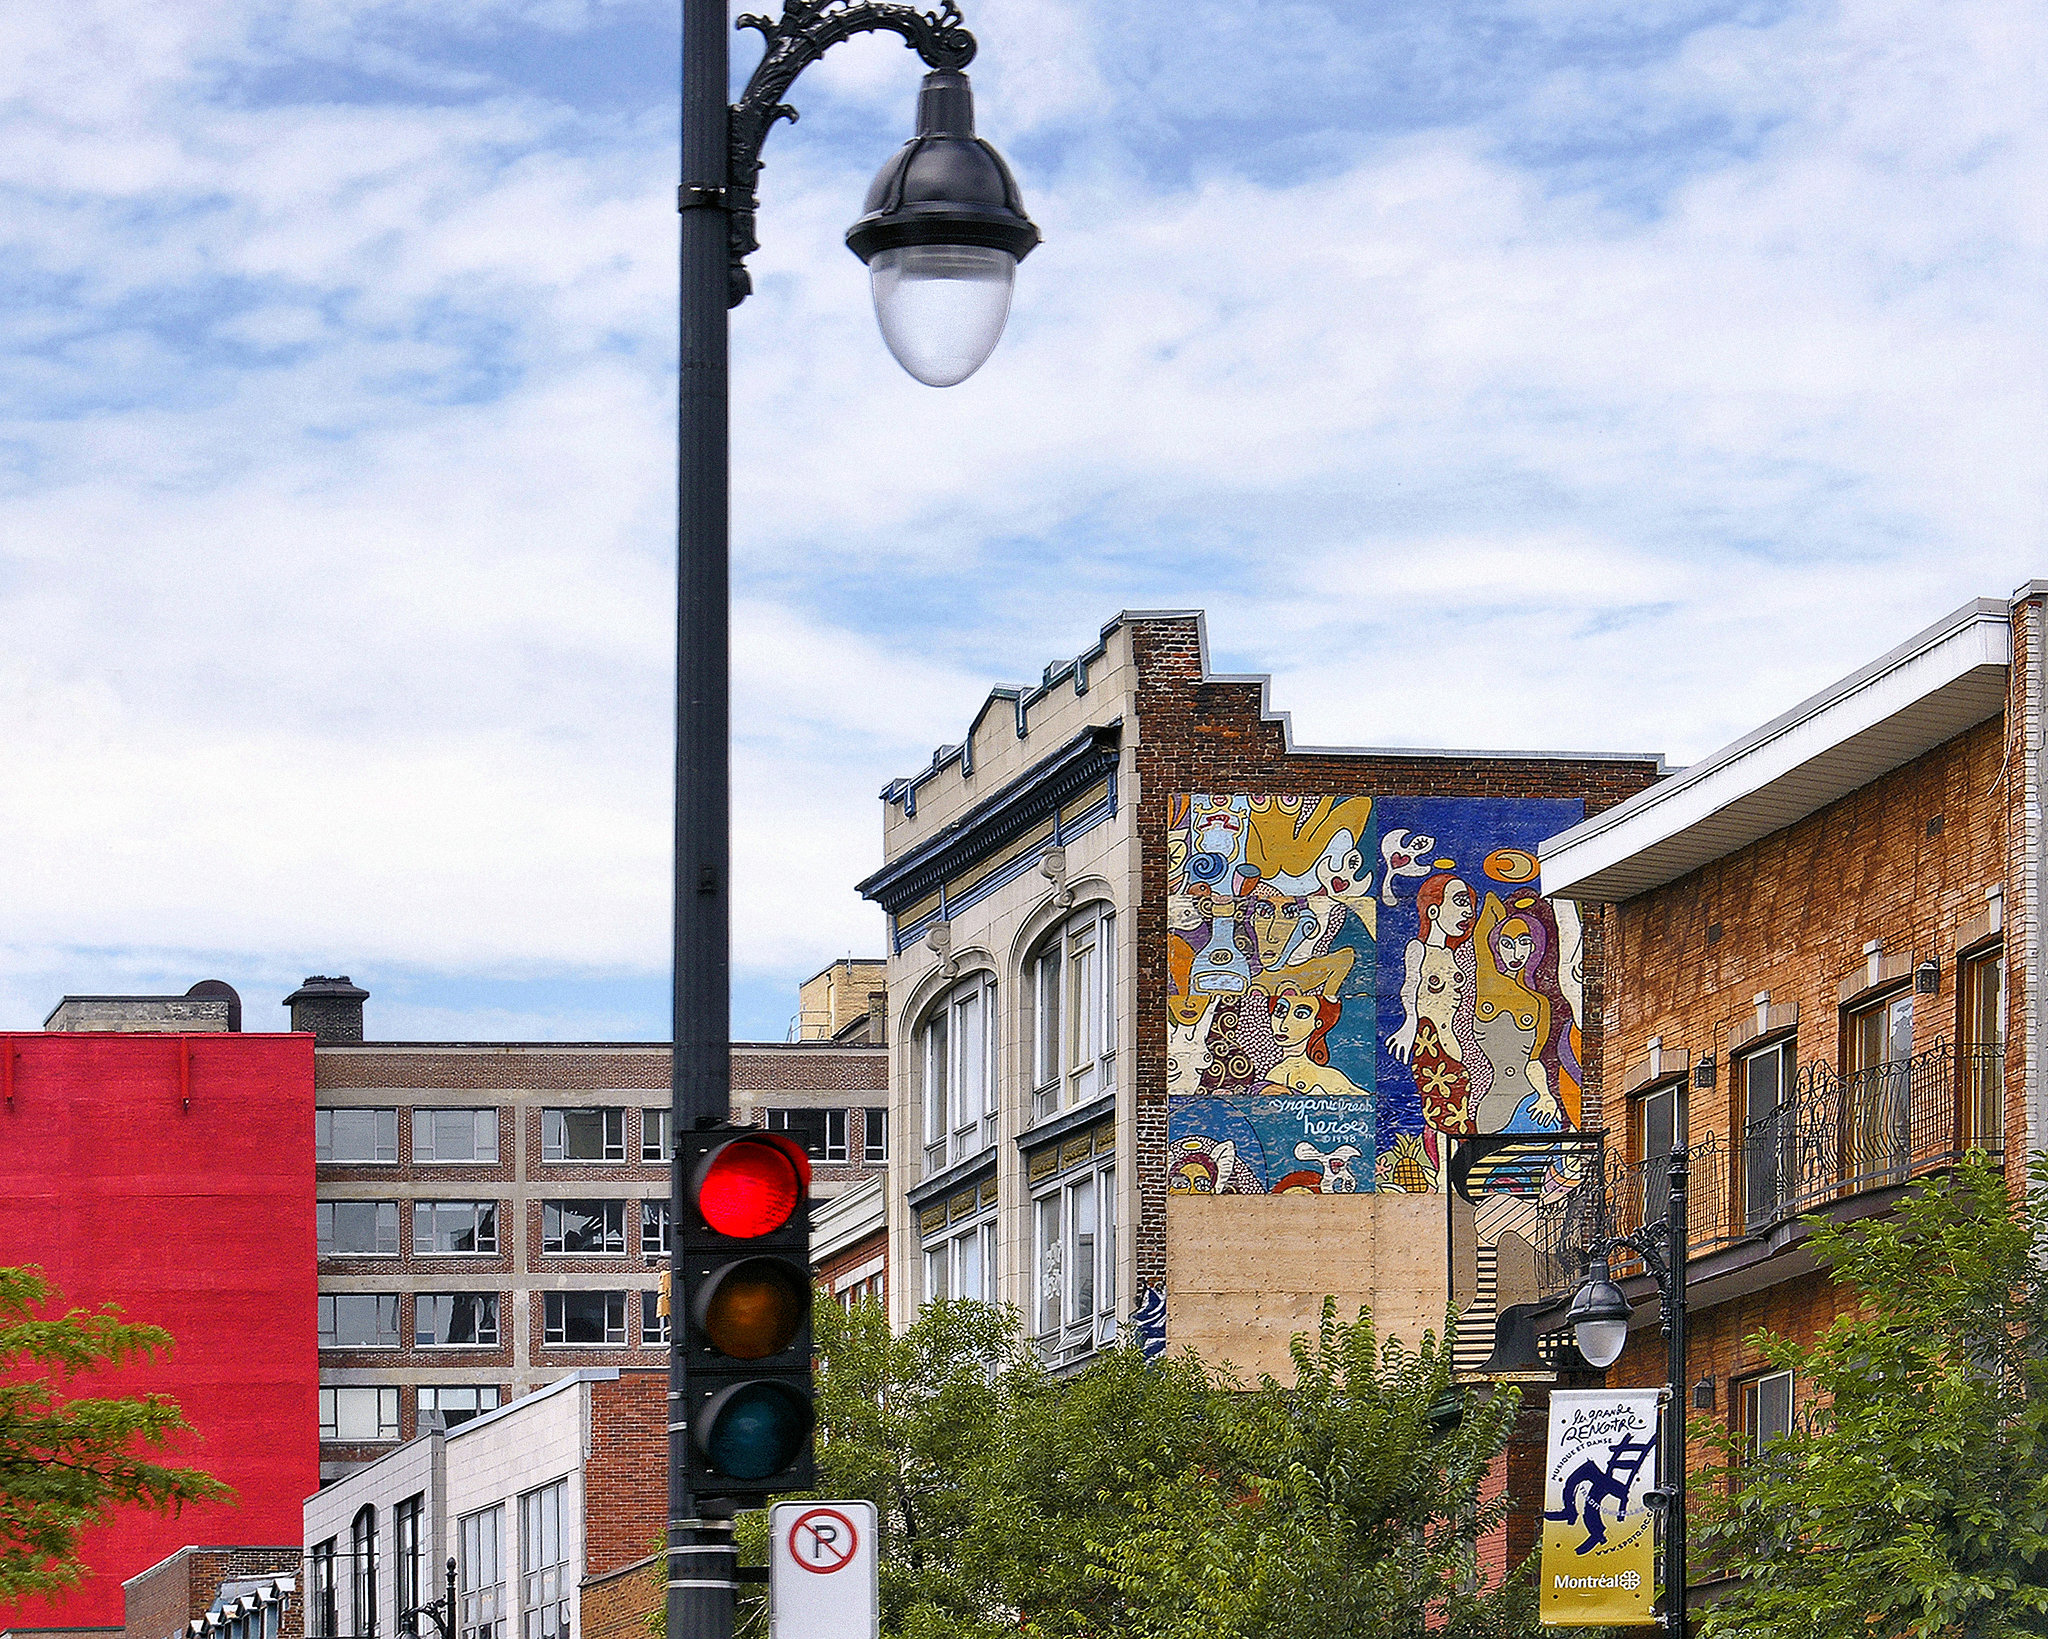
331	1008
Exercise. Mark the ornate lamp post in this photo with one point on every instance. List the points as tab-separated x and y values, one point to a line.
1599	1317
440	1612
942	232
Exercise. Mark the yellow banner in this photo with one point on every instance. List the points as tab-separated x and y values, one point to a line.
1599	1547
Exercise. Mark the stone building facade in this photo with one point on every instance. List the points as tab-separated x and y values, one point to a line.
1819	944
1030	880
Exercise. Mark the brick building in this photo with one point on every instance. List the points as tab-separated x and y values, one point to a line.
850	1244
154	1157
495	1214
204	1592
1103	901
1819	942
551	1507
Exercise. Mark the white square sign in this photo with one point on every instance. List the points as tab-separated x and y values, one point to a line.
823	1581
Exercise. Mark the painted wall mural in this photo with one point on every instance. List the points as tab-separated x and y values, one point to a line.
1352	980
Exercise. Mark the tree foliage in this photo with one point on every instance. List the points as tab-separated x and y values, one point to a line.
1145	1498
1912	1503
66	1462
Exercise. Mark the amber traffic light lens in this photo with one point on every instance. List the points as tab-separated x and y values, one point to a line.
749	1188
756	1309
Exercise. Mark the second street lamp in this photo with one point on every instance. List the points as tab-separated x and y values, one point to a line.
942	232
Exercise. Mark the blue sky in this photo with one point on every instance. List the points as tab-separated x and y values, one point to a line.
1566	374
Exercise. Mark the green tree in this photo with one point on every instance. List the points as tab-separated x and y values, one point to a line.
1912	1501
65	1462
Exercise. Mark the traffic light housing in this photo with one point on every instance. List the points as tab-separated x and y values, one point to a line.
744	1244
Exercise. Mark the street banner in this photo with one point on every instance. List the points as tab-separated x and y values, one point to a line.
1599	1544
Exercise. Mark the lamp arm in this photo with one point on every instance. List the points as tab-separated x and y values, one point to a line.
805	31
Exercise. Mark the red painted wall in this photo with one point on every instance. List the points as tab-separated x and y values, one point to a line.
196	1219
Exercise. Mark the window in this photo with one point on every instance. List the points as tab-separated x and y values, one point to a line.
1656	1134
654	1227
362	1569
455	1135
1075	1297
1981	1071
320	1612
585	1317
357	1229
1766	1410
458	1404
807	1127
1768	1132
1073	1012
583	1226
653	1323
835	1135
655	1142
359	1320
480	1573
544	1560
442	1229
956	1065
583	1135
874	1147
455	1320
355	1135
963	1265
359	1414
409	1555
1877	1103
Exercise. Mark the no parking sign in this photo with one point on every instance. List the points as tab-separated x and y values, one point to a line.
822	1578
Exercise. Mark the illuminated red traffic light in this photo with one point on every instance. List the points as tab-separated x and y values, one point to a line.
751	1186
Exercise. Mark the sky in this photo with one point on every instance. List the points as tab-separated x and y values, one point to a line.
1561	374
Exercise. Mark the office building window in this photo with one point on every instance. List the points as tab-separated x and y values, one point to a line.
544	1562
584	1317
654	1227
457	1404
359	1414
656	1146
359	1320
1766	1410
1075	1234
1073	1011
409	1555
357	1229
955	1062
362	1567
583	1135
355	1136
835	1135
480	1573
959	1238
321	1615
874	1145
583	1226
455	1135
653	1323
455	1320
445	1229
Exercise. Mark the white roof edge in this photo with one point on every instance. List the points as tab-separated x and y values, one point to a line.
1981	632
847	1217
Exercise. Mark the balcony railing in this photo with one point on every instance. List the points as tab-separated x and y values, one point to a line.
1833	1137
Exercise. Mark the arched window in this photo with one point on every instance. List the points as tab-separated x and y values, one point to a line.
955	1065
362	1548
1073	1011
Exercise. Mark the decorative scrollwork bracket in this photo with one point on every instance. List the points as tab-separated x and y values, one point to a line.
805	31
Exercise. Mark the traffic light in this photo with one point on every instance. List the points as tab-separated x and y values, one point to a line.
745	1314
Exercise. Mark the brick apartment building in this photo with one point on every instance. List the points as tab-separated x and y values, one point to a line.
1819	943
154	1157
1098	901
210	1592
495	1214
552	1508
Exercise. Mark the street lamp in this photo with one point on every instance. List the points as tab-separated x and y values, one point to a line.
441	1612
1599	1316
942	232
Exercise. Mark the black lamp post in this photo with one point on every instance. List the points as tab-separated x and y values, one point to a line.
1599	1317
942	233
441	1612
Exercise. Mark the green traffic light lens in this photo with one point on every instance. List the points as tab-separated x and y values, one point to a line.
754	1430
755	1309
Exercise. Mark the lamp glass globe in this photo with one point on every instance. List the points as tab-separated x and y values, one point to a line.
1601	1341
942	307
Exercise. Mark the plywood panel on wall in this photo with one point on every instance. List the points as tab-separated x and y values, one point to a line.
1245	1273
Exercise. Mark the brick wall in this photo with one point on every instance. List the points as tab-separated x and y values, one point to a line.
621	1605
859	1255
170	1593
625	1478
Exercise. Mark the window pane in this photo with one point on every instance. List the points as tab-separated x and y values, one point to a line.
359	1320
654	1136
936	1055
583	1135
654	1227
585	1317
653	1323
967	1265
1081	1256
936	1287
357	1228
455	1319
1081	991
1050	1278
355	1135
1048	1020
835	1135
583	1226
969	1060
544	1600
481	1580
875	1136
